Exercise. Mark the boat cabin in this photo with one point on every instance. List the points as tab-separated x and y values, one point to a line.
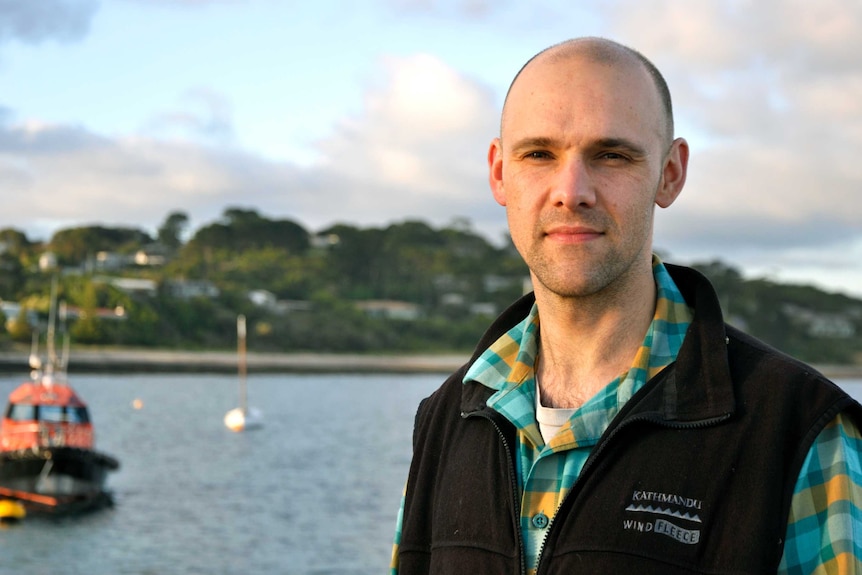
40	415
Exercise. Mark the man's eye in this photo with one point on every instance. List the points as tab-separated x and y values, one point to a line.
537	155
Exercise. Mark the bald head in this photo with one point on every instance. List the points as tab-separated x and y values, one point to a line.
608	53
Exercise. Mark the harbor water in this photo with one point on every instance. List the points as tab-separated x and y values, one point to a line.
313	492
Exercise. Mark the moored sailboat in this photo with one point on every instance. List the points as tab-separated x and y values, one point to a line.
243	417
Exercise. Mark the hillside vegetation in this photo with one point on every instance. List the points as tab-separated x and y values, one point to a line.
405	287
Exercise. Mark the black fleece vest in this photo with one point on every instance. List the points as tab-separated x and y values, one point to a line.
694	475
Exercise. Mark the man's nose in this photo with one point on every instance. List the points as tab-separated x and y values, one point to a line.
573	185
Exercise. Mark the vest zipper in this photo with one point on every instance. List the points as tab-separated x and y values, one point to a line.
600	447
513	483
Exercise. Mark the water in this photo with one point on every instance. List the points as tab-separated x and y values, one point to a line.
315	492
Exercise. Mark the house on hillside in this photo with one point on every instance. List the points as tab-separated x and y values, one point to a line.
133	286
324	241
493	283
390	309
116	313
12	311
268	301
47	262
154	255
106	260
822	324
190	289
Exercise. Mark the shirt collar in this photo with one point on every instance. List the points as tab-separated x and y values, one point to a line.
509	361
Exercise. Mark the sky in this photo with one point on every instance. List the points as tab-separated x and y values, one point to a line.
120	112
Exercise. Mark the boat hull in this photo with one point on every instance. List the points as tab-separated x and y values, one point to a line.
56	479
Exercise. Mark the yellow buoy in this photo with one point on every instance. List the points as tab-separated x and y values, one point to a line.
11	510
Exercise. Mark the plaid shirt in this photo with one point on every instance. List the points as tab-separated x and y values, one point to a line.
824	531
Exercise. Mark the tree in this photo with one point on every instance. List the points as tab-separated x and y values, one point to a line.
88	328
12	277
171	231
75	245
355	263
13	241
19	327
241	230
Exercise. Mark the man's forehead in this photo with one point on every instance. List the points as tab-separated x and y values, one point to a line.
562	64
606	58
577	75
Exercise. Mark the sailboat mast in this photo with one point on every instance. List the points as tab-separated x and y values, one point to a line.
241	352
52	319
64	332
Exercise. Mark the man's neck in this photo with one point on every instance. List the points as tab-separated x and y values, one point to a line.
585	343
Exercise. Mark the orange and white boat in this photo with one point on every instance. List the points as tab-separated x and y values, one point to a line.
48	459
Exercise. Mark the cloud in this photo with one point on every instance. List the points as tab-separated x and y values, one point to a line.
416	150
34	22
770	95
68	176
203	116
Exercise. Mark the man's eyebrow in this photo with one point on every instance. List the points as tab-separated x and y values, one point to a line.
531	143
621	144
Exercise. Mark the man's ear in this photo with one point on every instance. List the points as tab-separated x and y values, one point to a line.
673	174
495	171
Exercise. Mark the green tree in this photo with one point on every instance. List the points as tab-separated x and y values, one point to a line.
355	261
242	229
19	328
14	241
75	245
87	328
172	229
12	276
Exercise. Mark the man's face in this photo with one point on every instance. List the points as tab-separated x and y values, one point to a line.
579	167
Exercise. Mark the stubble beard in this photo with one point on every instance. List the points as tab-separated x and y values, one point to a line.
585	271
579	279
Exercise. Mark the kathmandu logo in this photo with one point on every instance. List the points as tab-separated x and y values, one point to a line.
662	511
647	503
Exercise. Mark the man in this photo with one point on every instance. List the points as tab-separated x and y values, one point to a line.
611	421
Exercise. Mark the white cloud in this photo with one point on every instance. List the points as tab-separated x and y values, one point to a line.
415	151
68	176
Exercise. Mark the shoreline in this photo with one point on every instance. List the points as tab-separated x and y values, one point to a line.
146	360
